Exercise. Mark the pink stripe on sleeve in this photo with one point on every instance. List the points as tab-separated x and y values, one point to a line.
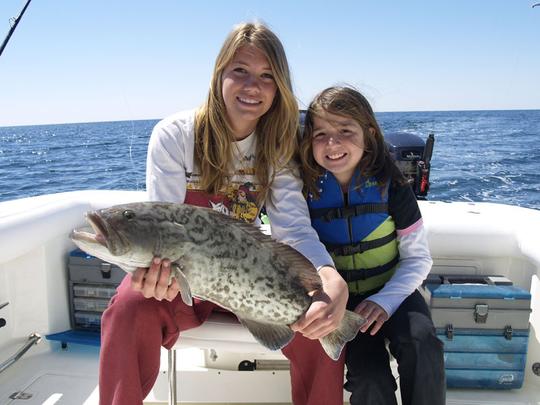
410	229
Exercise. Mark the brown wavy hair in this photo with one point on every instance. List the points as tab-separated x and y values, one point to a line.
348	102
276	130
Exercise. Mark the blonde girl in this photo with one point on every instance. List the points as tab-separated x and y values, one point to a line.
233	150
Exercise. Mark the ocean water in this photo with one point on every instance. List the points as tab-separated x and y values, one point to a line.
478	155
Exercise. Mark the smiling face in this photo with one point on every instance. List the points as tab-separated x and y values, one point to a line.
338	144
248	89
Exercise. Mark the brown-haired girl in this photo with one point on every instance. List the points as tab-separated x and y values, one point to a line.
367	216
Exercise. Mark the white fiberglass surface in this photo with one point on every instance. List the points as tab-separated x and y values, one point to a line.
52	377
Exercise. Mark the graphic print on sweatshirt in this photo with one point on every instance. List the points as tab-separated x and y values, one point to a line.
238	199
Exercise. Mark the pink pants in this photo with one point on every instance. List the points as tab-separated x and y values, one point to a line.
134	328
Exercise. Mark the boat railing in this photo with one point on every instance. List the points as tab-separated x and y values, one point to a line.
33	339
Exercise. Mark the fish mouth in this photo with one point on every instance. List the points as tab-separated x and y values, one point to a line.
102	234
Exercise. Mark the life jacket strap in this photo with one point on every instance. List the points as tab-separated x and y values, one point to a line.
362	274
360	247
329	214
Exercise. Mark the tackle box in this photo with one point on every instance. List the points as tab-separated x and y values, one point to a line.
483	322
92	283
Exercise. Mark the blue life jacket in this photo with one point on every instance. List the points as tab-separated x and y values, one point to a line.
359	233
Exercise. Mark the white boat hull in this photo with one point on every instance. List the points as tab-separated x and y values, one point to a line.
464	238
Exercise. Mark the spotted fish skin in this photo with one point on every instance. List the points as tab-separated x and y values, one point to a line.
266	284
270	296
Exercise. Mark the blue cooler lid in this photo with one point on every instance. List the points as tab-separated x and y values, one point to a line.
509	292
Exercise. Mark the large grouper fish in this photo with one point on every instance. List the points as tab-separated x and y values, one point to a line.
266	284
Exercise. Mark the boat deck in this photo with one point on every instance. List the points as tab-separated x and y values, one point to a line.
69	376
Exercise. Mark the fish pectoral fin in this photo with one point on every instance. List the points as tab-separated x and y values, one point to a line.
185	291
270	335
334	342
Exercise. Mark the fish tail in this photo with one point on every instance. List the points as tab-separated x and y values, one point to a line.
334	342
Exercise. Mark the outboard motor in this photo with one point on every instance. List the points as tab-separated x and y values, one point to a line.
412	156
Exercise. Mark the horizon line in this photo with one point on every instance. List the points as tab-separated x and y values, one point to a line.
158	119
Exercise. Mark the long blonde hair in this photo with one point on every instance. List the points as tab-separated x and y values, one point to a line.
276	130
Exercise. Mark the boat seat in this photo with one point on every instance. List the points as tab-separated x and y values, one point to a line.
221	331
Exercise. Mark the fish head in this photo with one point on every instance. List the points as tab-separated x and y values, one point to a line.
130	235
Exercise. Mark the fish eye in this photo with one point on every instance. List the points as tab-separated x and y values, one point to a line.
128	214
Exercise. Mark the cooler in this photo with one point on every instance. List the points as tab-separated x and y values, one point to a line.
484	324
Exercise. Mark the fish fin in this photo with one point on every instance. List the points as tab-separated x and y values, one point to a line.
270	335
298	265
334	342
185	291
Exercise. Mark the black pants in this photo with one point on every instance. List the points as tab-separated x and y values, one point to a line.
418	351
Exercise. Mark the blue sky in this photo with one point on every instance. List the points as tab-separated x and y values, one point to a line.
103	60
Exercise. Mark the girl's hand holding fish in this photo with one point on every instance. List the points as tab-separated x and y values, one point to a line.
328	307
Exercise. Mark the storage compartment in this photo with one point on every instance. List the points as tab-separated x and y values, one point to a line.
92	283
87	320
90	304
94	290
483	322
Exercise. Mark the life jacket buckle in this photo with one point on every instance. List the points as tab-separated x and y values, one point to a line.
347	250
334	213
327	217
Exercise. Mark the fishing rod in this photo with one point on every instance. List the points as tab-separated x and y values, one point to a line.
14	26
